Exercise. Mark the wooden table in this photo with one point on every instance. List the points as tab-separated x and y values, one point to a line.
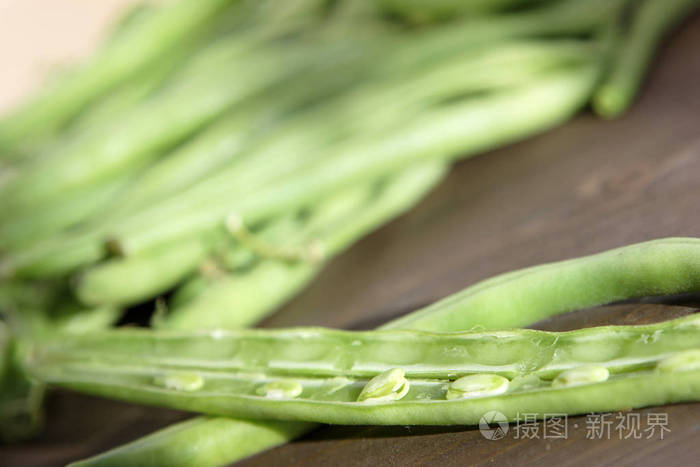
588	186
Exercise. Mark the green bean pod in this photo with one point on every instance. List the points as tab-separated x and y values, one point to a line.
658	267
36	227
277	389
54	257
320	375
119	281
320	352
503	64
651	22
81	320
200	441
223	144
115	105
247	297
62	254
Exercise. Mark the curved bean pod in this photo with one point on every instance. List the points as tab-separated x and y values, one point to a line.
651	22
200	441
54	257
41	225
127	281
519	298
321	352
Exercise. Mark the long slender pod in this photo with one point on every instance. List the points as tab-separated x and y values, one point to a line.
226	142
650	23
383	377
237	358
615	393
201	441
658	267
54	257
122	282
38	227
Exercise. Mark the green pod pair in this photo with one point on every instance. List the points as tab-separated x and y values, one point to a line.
677	259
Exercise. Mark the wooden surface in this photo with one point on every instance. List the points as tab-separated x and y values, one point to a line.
582	188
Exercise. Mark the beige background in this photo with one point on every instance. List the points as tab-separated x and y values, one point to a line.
38	35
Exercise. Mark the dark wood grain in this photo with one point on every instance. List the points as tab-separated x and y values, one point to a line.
587	186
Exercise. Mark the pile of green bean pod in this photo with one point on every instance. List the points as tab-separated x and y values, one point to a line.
214	155
268	284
